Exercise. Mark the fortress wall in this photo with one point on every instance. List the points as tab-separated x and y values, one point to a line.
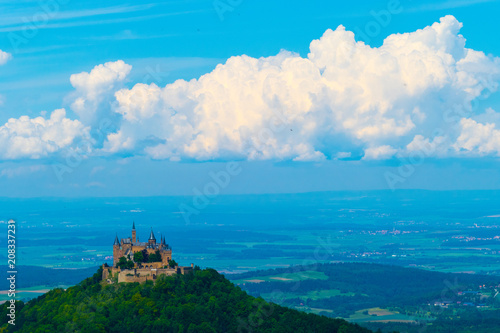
142	274
117	254
105	273
184	269
123	277
108	272
157	265
166	271
166	256
137	248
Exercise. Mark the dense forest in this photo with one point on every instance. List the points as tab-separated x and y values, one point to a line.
203	301
372	285
405	290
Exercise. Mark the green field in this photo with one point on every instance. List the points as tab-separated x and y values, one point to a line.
286	277
314	295
380	315
30	292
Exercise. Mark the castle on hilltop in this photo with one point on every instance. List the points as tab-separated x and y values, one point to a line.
135	261
129	246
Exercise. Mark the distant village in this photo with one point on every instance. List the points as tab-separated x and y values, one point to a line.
470	298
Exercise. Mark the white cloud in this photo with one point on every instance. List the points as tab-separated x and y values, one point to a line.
439	146
478	138
343	154
93	90
345	97
38	137
4	57
345	94
379	153
96	170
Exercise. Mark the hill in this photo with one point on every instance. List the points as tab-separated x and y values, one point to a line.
372	293
200	302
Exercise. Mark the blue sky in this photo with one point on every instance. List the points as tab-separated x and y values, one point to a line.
338	144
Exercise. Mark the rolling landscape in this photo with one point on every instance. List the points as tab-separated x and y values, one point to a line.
253	166
394	261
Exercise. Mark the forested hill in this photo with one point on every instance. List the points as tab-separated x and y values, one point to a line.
200	302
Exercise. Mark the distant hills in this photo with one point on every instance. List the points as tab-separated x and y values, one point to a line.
31	276
384	296
303	298
200	302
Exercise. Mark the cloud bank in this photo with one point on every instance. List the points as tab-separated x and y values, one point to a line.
344	100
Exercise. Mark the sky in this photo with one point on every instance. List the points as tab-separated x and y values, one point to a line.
232	96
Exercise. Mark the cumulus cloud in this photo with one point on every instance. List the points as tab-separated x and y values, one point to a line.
439	146
344	100
38	137
4	57
377	153
94	90
478	138
344	96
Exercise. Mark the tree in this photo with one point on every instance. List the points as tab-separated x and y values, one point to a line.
175	303
145	255
123	263
155	257
172	263
139	257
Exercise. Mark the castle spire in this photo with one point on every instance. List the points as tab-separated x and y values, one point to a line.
152	235
133	233
117	242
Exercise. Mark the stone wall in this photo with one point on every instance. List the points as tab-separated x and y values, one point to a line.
141	274
166	256
117	254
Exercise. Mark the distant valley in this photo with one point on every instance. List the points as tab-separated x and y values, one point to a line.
382	296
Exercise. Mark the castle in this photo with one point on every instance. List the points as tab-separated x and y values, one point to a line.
135	261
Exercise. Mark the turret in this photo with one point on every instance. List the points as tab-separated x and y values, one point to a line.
152	239
117	242
133	233
116	251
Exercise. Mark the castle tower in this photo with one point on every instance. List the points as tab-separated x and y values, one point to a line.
152	239
133	233
116	250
